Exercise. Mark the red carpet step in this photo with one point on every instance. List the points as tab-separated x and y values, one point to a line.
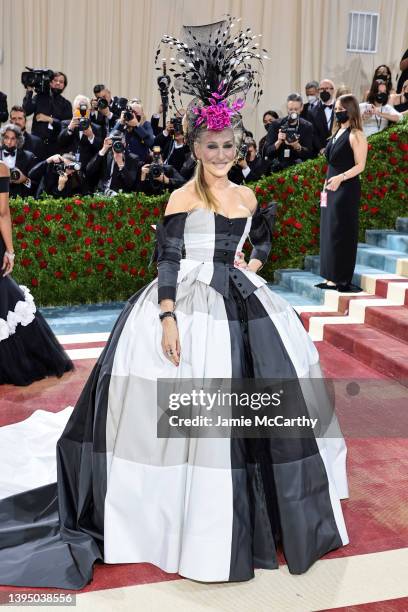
392	320
371	346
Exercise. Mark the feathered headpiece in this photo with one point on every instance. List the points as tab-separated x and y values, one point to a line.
213	64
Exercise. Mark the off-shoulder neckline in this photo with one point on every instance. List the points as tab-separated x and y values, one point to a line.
217	213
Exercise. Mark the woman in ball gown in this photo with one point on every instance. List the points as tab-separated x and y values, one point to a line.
29	350
346	154
210	508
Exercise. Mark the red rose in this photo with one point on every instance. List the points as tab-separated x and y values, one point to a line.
67	227
131	221
109	274
295	178
403	146
73	275
101	241
109	239
36	242
19	235
129	245
58	217
147	238
281	180
369	178
26	209
315	230
137	231
78	202
303	249
118	225
68	208
394	136
305	183
133	271
43	264
36	214
88	241
87	256
274	257
52	250
271	187
39	254
112	257
142	272
374	210
124	267
78	232
62	238
34	282
26	262
364	207
298	225
156	211
120	213
19	219
120	250
109	216
29	228
88	271
369	196
290	190
100	267
305	197
23	245
58	274
324	169
393	161
101	252
143	252
313	210
369	146
49	217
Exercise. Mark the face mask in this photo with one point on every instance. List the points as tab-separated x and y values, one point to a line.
342	116
311	99
267	126
325	96
382	77
381	98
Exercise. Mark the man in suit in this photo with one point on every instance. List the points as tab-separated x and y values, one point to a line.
19	161
3	107
250	166
138	132
59	176
114	168
105	109
321	115
312	95
158	176
79	135
31	142
289	140
49	109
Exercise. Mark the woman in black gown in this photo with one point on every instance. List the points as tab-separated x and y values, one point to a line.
346	154
29	350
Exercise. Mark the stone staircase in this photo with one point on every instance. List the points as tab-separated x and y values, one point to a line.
369	327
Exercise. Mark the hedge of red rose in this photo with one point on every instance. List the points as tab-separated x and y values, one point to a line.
98	249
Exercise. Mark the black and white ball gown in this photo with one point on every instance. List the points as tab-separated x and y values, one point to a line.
209	509
29	350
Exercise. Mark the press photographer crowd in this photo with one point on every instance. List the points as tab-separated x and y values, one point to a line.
105	144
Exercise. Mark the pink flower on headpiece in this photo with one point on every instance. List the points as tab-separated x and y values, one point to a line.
218	114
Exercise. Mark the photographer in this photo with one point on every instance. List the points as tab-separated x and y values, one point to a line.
114	168
31	142
79	136
138	132
250	166
157	176
59	176
104	109
289	140
19	161
167	137
3	107
48	105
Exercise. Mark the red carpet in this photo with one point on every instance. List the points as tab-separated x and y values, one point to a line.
376	513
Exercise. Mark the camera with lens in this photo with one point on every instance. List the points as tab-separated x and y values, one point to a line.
38	79
61	167
84	122
291	127
15	174
243	151
117	142
102	104
177	125
156	167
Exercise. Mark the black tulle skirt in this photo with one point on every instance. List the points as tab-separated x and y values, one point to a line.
29	350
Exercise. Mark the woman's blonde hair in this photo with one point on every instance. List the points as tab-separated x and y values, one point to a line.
202	189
